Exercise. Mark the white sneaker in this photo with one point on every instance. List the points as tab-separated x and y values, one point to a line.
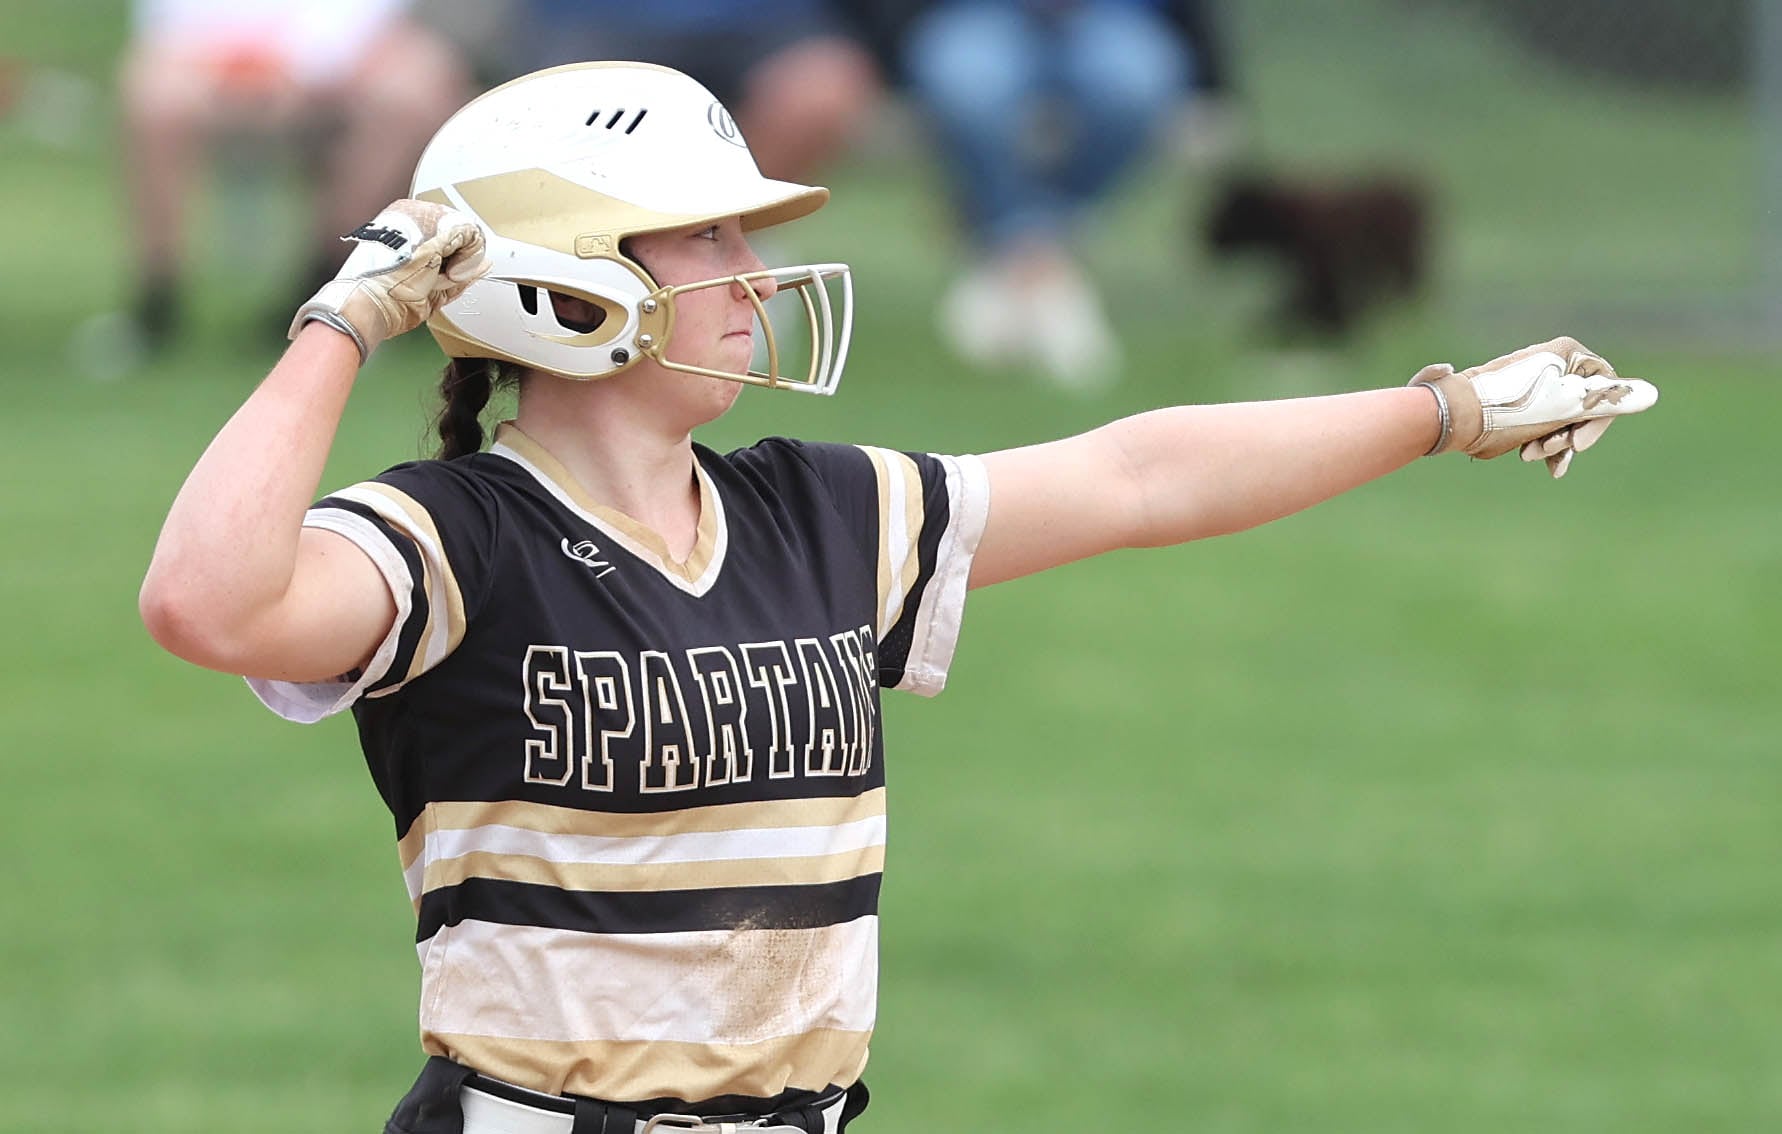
1069	335
981	318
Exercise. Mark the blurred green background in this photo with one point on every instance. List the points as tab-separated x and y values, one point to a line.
1451	805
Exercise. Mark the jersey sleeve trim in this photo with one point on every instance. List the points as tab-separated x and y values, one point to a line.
445	624
307	702
399	536
926	601
942	608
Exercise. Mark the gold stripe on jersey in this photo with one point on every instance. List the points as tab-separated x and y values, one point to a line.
901	518
648	543
710	512
692	1014
444	627
651	1069
550	820
814	870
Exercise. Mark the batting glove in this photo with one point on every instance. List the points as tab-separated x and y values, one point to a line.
412	259
1552	400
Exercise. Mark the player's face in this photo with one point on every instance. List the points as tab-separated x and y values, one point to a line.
713	326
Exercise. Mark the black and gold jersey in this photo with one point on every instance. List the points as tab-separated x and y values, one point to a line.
641	803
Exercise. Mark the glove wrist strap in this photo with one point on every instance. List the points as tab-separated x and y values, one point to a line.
1463	419
1447	431
325	307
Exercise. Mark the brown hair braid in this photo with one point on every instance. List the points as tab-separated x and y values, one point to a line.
465	386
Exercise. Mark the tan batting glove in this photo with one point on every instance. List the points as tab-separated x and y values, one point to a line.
411	260
1552	400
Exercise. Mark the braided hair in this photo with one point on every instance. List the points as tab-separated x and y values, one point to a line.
465	386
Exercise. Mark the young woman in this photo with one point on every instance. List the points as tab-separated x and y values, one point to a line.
620	692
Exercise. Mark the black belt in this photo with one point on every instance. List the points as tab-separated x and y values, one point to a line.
594	1116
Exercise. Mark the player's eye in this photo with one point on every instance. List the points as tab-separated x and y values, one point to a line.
710	233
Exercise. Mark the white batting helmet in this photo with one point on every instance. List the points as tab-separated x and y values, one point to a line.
559	167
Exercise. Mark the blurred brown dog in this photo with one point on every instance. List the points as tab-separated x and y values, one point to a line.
1346	247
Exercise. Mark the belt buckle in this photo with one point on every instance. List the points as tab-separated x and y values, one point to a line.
685	1124
693	1124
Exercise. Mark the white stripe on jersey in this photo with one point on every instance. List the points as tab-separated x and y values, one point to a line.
820	812
412	876
706	987
700	846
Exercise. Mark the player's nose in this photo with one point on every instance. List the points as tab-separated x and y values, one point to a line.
765	286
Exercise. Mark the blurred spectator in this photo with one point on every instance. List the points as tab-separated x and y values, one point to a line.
1040	107
793	73
48	105
357	79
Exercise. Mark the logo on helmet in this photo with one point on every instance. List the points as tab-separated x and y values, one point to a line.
724	126
591	244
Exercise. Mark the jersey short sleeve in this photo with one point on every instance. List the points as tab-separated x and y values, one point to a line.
429	527
916	519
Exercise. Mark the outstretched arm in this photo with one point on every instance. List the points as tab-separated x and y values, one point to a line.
237	583
1173	475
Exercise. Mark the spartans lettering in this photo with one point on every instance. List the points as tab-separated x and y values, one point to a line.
701	717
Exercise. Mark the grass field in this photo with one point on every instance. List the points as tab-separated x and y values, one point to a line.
1452	805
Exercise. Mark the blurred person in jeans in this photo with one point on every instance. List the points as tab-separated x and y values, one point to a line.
794	72
197	71
1040	107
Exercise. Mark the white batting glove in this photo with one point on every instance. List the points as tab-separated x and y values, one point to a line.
1552	400
412	259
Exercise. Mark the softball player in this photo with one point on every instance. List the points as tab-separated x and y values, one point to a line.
620	692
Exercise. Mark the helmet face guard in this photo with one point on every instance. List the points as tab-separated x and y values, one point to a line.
811	285
560	167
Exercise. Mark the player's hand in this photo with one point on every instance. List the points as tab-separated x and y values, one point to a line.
1552	400
412	259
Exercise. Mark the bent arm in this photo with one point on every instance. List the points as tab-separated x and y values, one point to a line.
1185	473
236	582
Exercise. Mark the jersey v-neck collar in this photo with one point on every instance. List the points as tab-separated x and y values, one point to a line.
695	574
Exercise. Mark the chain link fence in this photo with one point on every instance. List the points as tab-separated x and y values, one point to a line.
1684	45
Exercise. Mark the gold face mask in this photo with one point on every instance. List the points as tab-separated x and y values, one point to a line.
810	362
